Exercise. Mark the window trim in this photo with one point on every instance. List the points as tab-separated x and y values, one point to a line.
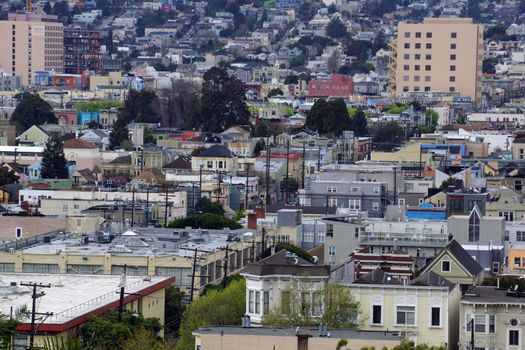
440	323
406	324
372	314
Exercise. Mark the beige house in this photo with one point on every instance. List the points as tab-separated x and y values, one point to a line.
506	203
438	55
216	158
84	154
427	309
497	315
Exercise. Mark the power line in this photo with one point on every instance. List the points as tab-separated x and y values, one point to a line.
34	297
122	288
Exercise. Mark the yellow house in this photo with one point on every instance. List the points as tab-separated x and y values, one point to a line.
74	299
426	310
517	256
216	158
408	153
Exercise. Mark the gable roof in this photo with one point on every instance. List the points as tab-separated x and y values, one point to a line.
215	151
463	258
87	175
122	160
378	276
285	263
182	162
78	143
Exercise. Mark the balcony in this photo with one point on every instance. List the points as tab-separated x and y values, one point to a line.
403	239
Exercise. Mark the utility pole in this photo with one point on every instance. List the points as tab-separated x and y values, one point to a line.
304	164
268	170
132	206
287	188
263	233
227	251
246	187
194	271
141	158
219	181
166	207
34	297
319	160
200	180
147	206
123	288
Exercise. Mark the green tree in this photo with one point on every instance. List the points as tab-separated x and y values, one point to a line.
259	146
106	333
205	206
448	182
224	307
275	92
95	106
298	60
331	304
388	135
141	107
336	28
329	117
173	307
31	110
7	330
359	124
222	103
54	163
119	133
291	79
205	220
149	137
62	343
489	65
7	176
47	8
291	185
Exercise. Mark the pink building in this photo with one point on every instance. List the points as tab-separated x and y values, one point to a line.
66	117
338	86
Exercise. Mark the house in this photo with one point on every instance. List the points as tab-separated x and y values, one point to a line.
35	135
426	310
19	170
270	281
475	228
337	86
507	203
238	132
457	266
82	153
180	165
99	137
149	156
304	338
497	317
152	176
216	158
120	166
84	177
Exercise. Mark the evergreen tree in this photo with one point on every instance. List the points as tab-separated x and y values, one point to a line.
54	164
359	124
329	117
119	133
222	103
141	107
7	176
32	110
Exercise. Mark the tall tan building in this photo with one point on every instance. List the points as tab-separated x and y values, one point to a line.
438	55
31	42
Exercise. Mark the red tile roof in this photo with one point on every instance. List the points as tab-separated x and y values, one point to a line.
78	143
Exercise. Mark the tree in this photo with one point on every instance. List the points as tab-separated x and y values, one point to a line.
205	220
61	9
32	110
336	28
7	331
119	133
106	333
289	247
47	8
359	124
142	339
62	343
291	185
275	92
178	102
173	307
389	135
141	107
259	146
224	307
332	9
205	206
7	176
298	60
448	182
489	65
331	304
291	79
54	163
329	117
222	102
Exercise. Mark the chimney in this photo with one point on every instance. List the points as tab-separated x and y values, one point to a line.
252	221
260	212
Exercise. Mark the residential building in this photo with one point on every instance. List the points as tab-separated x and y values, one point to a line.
35	135
426	310
216	158
497	318
87	296
337	86
342	237
460	202
518	146
439	55
477	229
306	338
270	282
457	266
32	42
82	50
83	154
507	203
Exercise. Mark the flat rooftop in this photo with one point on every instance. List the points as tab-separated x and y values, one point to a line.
70	296
290	332
145	242
492	295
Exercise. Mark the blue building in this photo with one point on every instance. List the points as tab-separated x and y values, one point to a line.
426	211
84	118
42	78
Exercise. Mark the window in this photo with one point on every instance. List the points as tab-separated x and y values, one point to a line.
418	45
452	68
407	34
375	206
517	262
508	215
406	315
405	88
332	189
354	204
316	303
418	34
452	79
417	56
417	67
308	237
473	230
407	46
416	78
428	45
331	249
445	266
514	337
429	35
406	67
428	67
479	323
329	230
428	56
427	88
492	323
257	302
285	301
453	46
376	314
209	164
405	78
451	89
435	316
427	78
453	57
520	236
376	190
406	56
495	267
453	35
